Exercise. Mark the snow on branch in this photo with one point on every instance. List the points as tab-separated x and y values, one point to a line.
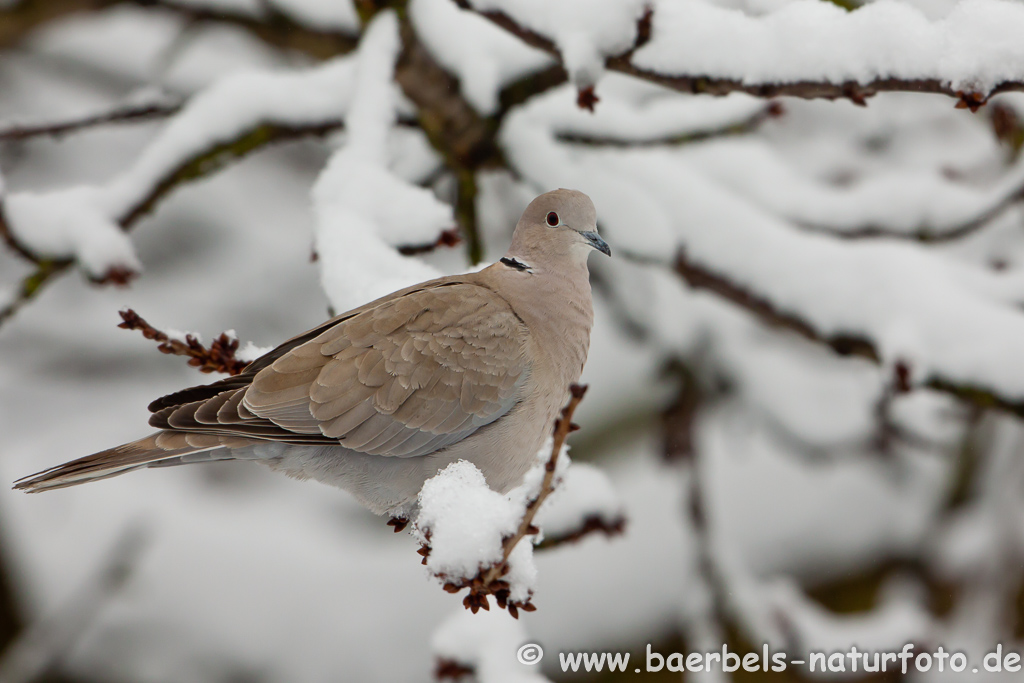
223	354
583	504
320	29
233	118
363	208
972	390
470	534
676	129
582	36
807	48
921	205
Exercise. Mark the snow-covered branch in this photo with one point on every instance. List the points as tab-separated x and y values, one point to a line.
701	48
322	30
649	134
972	391
87	224
470	536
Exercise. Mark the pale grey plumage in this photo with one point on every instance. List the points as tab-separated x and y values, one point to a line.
379	399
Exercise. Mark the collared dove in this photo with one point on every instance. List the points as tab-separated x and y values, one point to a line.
379	399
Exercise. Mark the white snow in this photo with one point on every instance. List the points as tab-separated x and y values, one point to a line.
585	32
362	207
898	201
82	222
70	223
582	491
974	48
487	643
483	56
249	352
904	297
463	521
336	15
253	8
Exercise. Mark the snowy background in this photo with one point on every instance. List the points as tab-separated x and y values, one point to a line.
806	379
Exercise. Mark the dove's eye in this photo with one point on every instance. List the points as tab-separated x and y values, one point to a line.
553	219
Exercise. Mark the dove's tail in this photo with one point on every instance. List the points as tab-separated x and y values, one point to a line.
160	449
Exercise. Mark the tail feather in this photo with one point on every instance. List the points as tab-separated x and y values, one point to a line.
151	450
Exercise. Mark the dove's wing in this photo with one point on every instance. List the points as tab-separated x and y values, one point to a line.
406	377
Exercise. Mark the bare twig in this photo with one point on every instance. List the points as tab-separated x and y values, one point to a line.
122	114
220	357
590	524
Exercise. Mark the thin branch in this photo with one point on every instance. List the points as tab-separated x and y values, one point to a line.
447	238
563	426
122	114
220	357
590	524
699	277
220	154
31	284
698	84
747	125
587	99
927	234
858	93
488	581
679	418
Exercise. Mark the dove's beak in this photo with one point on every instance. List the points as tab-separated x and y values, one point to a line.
594	240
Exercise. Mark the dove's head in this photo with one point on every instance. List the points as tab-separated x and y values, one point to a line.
559	225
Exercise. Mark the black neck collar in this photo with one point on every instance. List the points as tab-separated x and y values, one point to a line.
513	263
